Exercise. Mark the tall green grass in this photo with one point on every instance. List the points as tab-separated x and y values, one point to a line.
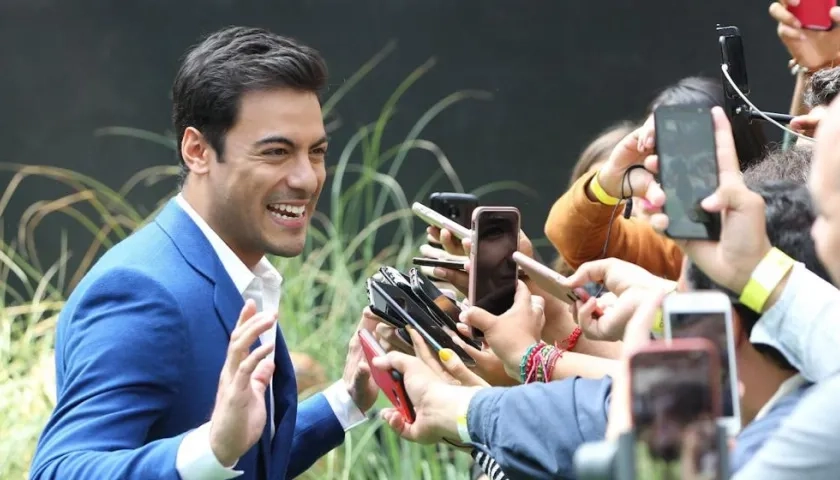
323	291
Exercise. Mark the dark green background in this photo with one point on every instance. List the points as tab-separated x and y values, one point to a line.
559	72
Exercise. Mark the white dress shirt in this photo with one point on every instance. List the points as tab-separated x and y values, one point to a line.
195	459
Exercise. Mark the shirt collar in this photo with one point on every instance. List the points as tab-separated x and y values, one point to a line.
787	387
241	275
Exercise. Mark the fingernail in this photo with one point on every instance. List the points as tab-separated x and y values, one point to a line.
646	204
440	272
445	355
463	316
649	142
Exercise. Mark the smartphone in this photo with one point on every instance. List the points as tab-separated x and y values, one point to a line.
455	206
434	262
708	314
379	307
732	55
674	398
439	305
688	171
493	273
436	219
546	278
389	381
814	14
402	305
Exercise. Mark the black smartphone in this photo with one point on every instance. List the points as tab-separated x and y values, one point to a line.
494	273
402	305
441	306
456	206
688	171
434	262
732	55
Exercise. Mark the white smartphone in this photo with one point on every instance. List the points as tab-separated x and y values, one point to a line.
546	278
708	314
493	273
435	219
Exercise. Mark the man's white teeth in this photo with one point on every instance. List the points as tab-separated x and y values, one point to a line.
288	211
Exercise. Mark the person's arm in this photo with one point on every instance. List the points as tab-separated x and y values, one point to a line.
123	347
532	431
803	324
637	242
807	445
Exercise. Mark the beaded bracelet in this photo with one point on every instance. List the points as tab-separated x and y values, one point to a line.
523	364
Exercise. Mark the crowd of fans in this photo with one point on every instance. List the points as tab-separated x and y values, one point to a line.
775	197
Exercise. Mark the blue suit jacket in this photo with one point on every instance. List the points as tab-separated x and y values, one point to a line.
139	349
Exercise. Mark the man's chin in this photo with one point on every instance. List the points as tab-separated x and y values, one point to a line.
291	247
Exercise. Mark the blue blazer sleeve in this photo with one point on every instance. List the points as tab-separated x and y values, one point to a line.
118	355
317	431
542	426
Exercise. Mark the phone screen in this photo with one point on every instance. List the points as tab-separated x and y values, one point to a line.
674	416
688	172
711	326
495	271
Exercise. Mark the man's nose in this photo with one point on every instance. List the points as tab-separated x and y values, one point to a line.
303	176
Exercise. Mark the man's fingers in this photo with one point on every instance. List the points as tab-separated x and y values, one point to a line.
424	353
246	368
727	157
261	377
247	312
245	336
783	15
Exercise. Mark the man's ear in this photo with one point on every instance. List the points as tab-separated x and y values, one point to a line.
196	151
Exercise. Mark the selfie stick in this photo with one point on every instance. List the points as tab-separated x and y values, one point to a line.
607	460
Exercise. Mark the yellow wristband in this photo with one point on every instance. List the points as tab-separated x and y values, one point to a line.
600	193
463	430
765	278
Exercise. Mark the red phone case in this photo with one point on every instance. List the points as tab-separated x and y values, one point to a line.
814	14
390	381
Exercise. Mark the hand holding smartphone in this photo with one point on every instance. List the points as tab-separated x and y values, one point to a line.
390	381
436	219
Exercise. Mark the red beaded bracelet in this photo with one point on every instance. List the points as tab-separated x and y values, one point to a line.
571	341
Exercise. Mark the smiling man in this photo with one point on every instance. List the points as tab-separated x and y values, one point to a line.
169	361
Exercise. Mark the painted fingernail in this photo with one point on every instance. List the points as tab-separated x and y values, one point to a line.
445	355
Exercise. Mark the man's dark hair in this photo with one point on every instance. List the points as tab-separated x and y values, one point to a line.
216	73
823	87
780	164
789	215
750	141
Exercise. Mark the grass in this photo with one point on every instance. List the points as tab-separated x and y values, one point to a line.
323	288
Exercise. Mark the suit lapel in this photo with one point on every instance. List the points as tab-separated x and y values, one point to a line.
228	302
197	251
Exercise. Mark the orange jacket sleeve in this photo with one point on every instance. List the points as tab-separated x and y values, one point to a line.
578	228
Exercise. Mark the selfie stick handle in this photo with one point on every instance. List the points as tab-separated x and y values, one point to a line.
753	115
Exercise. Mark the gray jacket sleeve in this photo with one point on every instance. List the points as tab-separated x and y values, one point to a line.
807	445
542	426
804	325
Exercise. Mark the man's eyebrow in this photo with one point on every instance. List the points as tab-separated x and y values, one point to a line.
281	139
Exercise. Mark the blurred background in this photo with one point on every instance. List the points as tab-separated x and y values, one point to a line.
485	96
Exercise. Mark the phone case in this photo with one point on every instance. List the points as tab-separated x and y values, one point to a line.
455	206
380	309
448	318
406	307
390	381
436	219
814	14
434	262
